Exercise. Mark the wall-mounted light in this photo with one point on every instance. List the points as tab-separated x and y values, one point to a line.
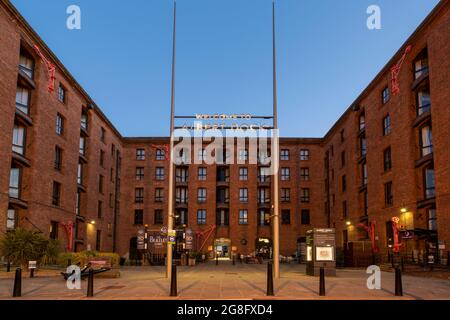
348	223
403	210
92	222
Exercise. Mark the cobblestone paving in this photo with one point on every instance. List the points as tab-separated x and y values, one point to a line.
208	281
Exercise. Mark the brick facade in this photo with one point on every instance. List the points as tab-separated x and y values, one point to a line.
340	195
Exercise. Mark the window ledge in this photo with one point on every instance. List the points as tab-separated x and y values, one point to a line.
424	160
422	118
21	160
426	203
18	202
419	80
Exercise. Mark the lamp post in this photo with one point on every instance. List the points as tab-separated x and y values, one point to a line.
171	164
275	157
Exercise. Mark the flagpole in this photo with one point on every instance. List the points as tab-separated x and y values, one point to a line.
171	214
275	156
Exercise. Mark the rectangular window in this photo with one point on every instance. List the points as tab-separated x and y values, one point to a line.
304	174
80	174
26	64
243	195
56	194
304	195
432	219
181	195
139	173
223	195
305	217
429	182
111	200
14	182
263	218
160	155
102	158
159	173
139	195
181	217
385	95
62	96
363	146
222	217
11	220
243	216
83	146
426	140
243	174
113	150
223	174
100	210
84	121
362	122
202	174
59	124
201	216
423	101
77	203
284	154
98	241
285	195
366	203
387	159
388	194
22	100
159	216
159	195
304	154
386	125
344	209
285	174
181	174
140	154
54	226
342	135
343	157
364	174
18	143
344	183
58	158
138	217
263	195
285	216
201	195
100	183
102	134
420	65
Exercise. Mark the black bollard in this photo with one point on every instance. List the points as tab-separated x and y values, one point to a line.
17	292
398	282
269	280
32	273
234	258
402	264
173	282
217	259
90	288
8	266
322	282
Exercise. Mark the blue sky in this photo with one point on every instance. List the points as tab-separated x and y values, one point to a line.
326	56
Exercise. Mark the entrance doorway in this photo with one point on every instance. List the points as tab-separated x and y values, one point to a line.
264	247
222	248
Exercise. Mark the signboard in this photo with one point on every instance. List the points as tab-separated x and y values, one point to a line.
408	234
171	234
32	264
189	239
309	253
324	254
141	239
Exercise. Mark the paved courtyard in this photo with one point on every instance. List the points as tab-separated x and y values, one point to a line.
208	281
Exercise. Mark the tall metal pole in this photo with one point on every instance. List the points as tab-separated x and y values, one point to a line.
171	168
275	157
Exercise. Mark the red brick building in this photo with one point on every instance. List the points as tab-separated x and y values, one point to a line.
63	161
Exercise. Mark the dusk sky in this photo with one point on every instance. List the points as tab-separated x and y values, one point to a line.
326	56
